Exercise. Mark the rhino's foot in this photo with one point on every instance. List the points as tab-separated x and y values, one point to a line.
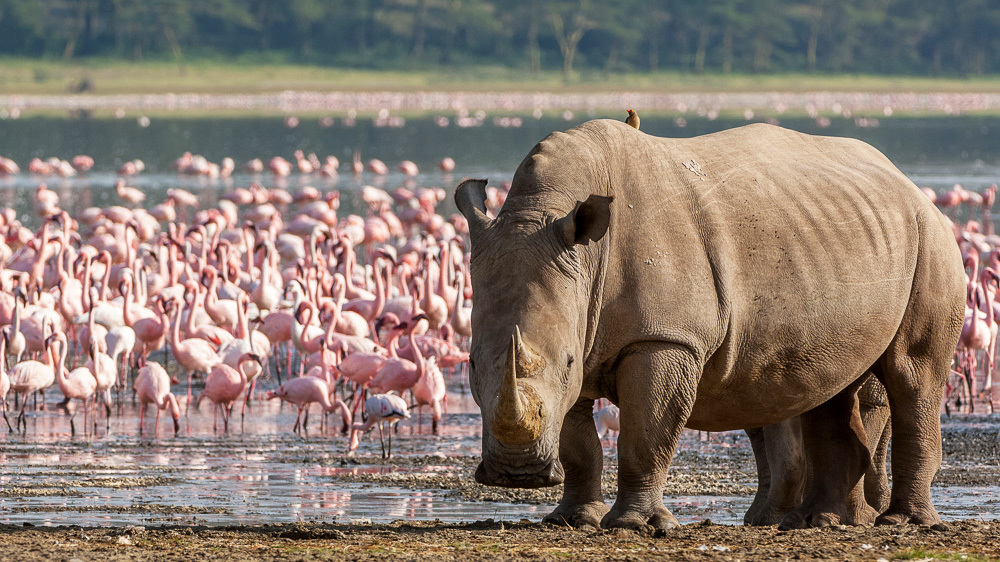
805	519
865	515
763	516
583	515
902	517
659	518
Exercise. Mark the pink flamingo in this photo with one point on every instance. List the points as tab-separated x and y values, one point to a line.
152	386
356	166
151	333
30	376
377	167
976	331
310	336
433	305
206	331
194	354
347	322
222	311
447	354
79	384
245	342
106	372
461	317
305	391
361	367
166	211
430	390
129	194
989	281
398	374
408	168
224	386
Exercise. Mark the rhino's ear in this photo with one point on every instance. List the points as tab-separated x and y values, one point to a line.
588	222
470	197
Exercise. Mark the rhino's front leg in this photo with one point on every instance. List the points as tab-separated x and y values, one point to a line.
581	455
656	386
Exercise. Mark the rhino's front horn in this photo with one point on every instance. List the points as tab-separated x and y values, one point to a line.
518	411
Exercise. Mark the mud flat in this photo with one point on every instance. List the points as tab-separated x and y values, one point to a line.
960	540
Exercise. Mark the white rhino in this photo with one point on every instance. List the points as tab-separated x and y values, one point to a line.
727	281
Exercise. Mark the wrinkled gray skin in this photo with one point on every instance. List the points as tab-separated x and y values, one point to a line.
721	282
782	471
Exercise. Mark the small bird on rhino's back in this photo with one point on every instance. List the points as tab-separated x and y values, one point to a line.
632	119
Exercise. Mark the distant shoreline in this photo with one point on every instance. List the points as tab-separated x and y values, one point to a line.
462	103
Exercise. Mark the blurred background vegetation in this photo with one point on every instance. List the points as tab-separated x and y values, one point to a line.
950	38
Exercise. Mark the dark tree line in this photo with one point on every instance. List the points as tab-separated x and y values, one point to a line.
947	37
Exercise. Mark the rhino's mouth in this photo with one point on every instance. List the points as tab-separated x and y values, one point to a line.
550	474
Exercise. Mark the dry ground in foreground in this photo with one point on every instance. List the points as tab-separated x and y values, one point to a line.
962	540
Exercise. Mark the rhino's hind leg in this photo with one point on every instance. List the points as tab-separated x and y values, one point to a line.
837	452
914	369
580	452
781	471
875	417
915	393
656	391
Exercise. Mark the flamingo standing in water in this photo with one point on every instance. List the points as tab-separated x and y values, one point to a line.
152	386
977	329
305	391
989	282
379	408
28	377
224	385
129	194
79	384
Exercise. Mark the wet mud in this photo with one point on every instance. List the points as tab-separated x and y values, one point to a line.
499	540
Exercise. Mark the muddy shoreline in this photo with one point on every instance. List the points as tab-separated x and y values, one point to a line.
961	540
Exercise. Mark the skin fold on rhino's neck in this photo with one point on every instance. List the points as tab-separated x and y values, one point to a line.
593	354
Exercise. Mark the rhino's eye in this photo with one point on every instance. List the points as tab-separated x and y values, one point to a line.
569	361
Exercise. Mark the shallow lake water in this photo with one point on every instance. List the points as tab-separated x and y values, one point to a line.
935	152
262	472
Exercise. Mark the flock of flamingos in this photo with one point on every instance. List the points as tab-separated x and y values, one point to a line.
975	357
361	316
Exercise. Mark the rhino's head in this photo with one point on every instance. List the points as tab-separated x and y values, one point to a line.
532	287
